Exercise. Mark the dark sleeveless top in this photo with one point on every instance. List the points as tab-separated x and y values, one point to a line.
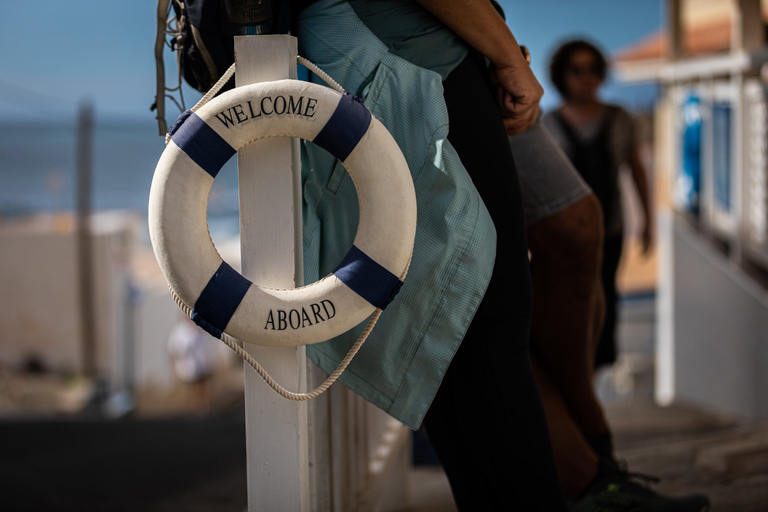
593	159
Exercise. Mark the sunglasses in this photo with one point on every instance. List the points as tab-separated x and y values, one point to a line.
592	69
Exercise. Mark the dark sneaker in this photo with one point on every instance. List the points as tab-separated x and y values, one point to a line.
615	490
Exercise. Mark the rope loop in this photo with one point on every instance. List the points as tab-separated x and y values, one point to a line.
237	346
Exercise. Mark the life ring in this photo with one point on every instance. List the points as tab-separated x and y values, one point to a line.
220	298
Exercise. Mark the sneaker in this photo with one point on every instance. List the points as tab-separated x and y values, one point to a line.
616	490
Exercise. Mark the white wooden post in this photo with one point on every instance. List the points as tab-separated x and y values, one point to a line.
747	36
270	231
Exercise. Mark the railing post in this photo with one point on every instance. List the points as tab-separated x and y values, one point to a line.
675	29
270	231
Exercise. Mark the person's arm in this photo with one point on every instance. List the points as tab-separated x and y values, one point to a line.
478	23
639	177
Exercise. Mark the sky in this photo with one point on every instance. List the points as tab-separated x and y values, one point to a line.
613	24
58	54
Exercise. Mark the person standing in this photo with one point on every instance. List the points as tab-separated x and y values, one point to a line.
599	138
455	352
565	237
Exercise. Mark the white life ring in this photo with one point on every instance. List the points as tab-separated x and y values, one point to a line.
220	298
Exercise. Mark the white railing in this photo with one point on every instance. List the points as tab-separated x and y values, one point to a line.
756	168
734	164
358	455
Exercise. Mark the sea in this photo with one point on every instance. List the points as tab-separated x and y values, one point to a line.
38	171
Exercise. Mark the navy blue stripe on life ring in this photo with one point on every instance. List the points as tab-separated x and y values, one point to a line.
201	142
345	128
219	299
367	278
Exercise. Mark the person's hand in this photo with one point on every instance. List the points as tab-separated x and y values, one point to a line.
518	94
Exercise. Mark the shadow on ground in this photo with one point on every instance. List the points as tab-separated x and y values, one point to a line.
181	464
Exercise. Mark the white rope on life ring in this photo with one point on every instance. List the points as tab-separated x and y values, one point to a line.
224	302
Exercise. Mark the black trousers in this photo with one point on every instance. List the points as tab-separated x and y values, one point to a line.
486	423
606	347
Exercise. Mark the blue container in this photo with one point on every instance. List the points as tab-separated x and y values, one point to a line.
688	186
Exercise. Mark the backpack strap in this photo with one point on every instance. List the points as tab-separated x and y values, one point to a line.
202	33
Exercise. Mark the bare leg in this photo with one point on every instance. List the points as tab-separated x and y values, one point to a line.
576	463
598	320
565	269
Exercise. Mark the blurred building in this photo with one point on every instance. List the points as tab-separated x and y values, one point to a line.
711	145
132	313
38	269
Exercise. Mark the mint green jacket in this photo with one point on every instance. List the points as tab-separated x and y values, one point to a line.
400	367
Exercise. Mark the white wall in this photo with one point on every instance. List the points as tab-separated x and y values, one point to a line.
713	344
156	315
39	301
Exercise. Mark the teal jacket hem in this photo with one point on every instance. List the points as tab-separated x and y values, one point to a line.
401	366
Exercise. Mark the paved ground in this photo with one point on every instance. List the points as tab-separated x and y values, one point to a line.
175	465
693	451
690	450
197	464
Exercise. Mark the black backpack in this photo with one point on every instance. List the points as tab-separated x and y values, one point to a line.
207	30
203	34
